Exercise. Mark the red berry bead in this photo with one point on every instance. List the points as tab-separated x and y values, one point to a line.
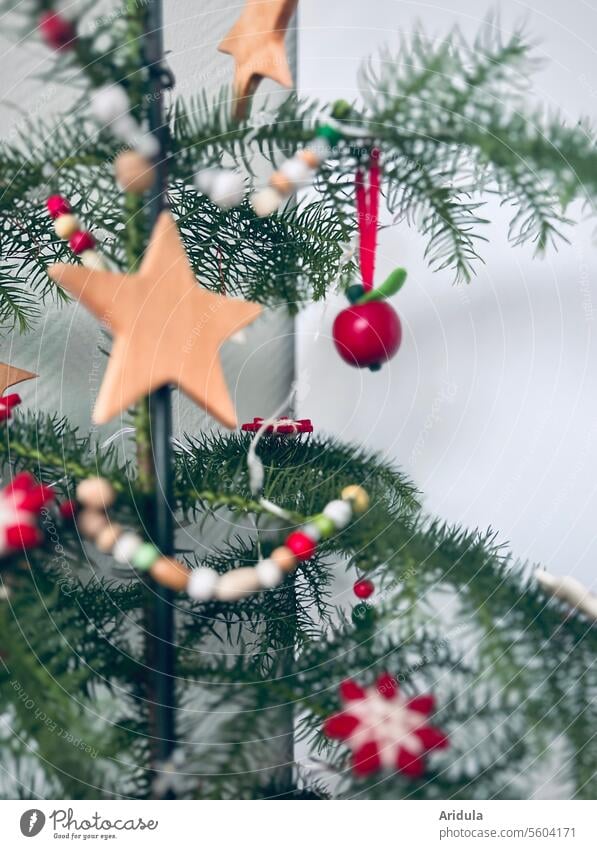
57	206
56	30
368	334
81	241
68	510
363	588
301	545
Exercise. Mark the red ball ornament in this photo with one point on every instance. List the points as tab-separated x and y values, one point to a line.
363	588
301	545
57	32
57	206
81	241
366	335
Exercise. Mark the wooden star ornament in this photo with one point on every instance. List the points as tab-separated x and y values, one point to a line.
9	375
256	41
166	327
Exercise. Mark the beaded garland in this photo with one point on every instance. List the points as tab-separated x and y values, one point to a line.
67	227
96	495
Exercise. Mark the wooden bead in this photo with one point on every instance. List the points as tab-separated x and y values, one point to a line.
266	201
170	573
357	496
237	584
96	492
285	558
65	226
91	523
92	260
106	539
309	157
134	173
281	183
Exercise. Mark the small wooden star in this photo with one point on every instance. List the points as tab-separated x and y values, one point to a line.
256	41
9	375
167	328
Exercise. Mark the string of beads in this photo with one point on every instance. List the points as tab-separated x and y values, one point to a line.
96	495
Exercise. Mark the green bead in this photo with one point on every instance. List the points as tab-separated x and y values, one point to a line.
324	525
341	109
329	133
354	292
145	556
375	367
363	615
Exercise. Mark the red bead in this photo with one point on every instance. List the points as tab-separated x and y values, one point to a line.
81	241
68	510
57	206
56	30
363	588
367	334
301	545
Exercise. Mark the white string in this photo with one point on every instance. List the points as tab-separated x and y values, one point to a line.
122	432
254	464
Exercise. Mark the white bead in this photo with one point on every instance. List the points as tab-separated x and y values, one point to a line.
110	103
126	547
125	128
146	144
204	179
340	512
65	226
202	583
266	201
320	147
269	574
312	532
92	260
236	584
572	590
298	172
227	189
547	580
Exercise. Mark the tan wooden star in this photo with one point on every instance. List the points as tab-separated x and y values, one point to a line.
167	328
256	41
9	375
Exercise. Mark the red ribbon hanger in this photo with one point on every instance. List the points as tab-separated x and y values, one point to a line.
367	202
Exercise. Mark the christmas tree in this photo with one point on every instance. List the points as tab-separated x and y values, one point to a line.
139	661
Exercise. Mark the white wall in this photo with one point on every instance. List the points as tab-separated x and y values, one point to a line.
490	405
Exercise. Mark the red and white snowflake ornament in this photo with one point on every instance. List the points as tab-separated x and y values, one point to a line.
20	505
282	426
7	403
384	729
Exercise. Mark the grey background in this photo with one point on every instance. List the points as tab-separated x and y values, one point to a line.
490	405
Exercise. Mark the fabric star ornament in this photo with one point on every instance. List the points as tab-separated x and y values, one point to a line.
7	404
384	729
20	505
283	426
256	41
166	327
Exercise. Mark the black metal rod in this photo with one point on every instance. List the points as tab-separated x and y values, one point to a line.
161	419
